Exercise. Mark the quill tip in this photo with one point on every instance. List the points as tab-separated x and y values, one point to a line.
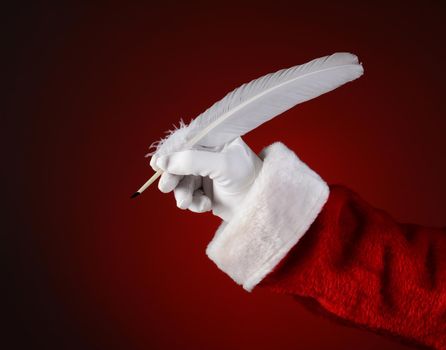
136	194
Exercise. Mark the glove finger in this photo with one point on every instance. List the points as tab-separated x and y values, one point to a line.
192	162
185	190
207	185
200	202
168	182
153	160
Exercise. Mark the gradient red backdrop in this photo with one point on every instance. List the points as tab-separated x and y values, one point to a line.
92	87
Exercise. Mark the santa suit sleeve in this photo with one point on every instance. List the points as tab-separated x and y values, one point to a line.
324	245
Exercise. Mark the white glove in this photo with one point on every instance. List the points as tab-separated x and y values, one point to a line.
205	180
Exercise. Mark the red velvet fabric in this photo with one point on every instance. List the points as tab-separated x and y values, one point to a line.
358	264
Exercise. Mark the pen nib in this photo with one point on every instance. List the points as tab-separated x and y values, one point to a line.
136	194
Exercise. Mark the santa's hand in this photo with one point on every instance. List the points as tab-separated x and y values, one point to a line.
205	180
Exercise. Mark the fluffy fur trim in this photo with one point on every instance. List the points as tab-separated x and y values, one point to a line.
283	202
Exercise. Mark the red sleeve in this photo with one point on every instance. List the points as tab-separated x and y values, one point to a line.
357	264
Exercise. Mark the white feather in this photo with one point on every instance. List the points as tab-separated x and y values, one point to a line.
260	100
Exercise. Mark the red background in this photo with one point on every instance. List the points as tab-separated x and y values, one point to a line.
89	88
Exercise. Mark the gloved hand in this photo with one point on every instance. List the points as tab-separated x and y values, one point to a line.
204	180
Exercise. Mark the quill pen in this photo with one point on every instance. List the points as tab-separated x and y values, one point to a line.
257	102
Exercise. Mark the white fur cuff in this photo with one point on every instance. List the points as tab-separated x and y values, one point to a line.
283	202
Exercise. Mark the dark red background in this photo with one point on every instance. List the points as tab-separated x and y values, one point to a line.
89	88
